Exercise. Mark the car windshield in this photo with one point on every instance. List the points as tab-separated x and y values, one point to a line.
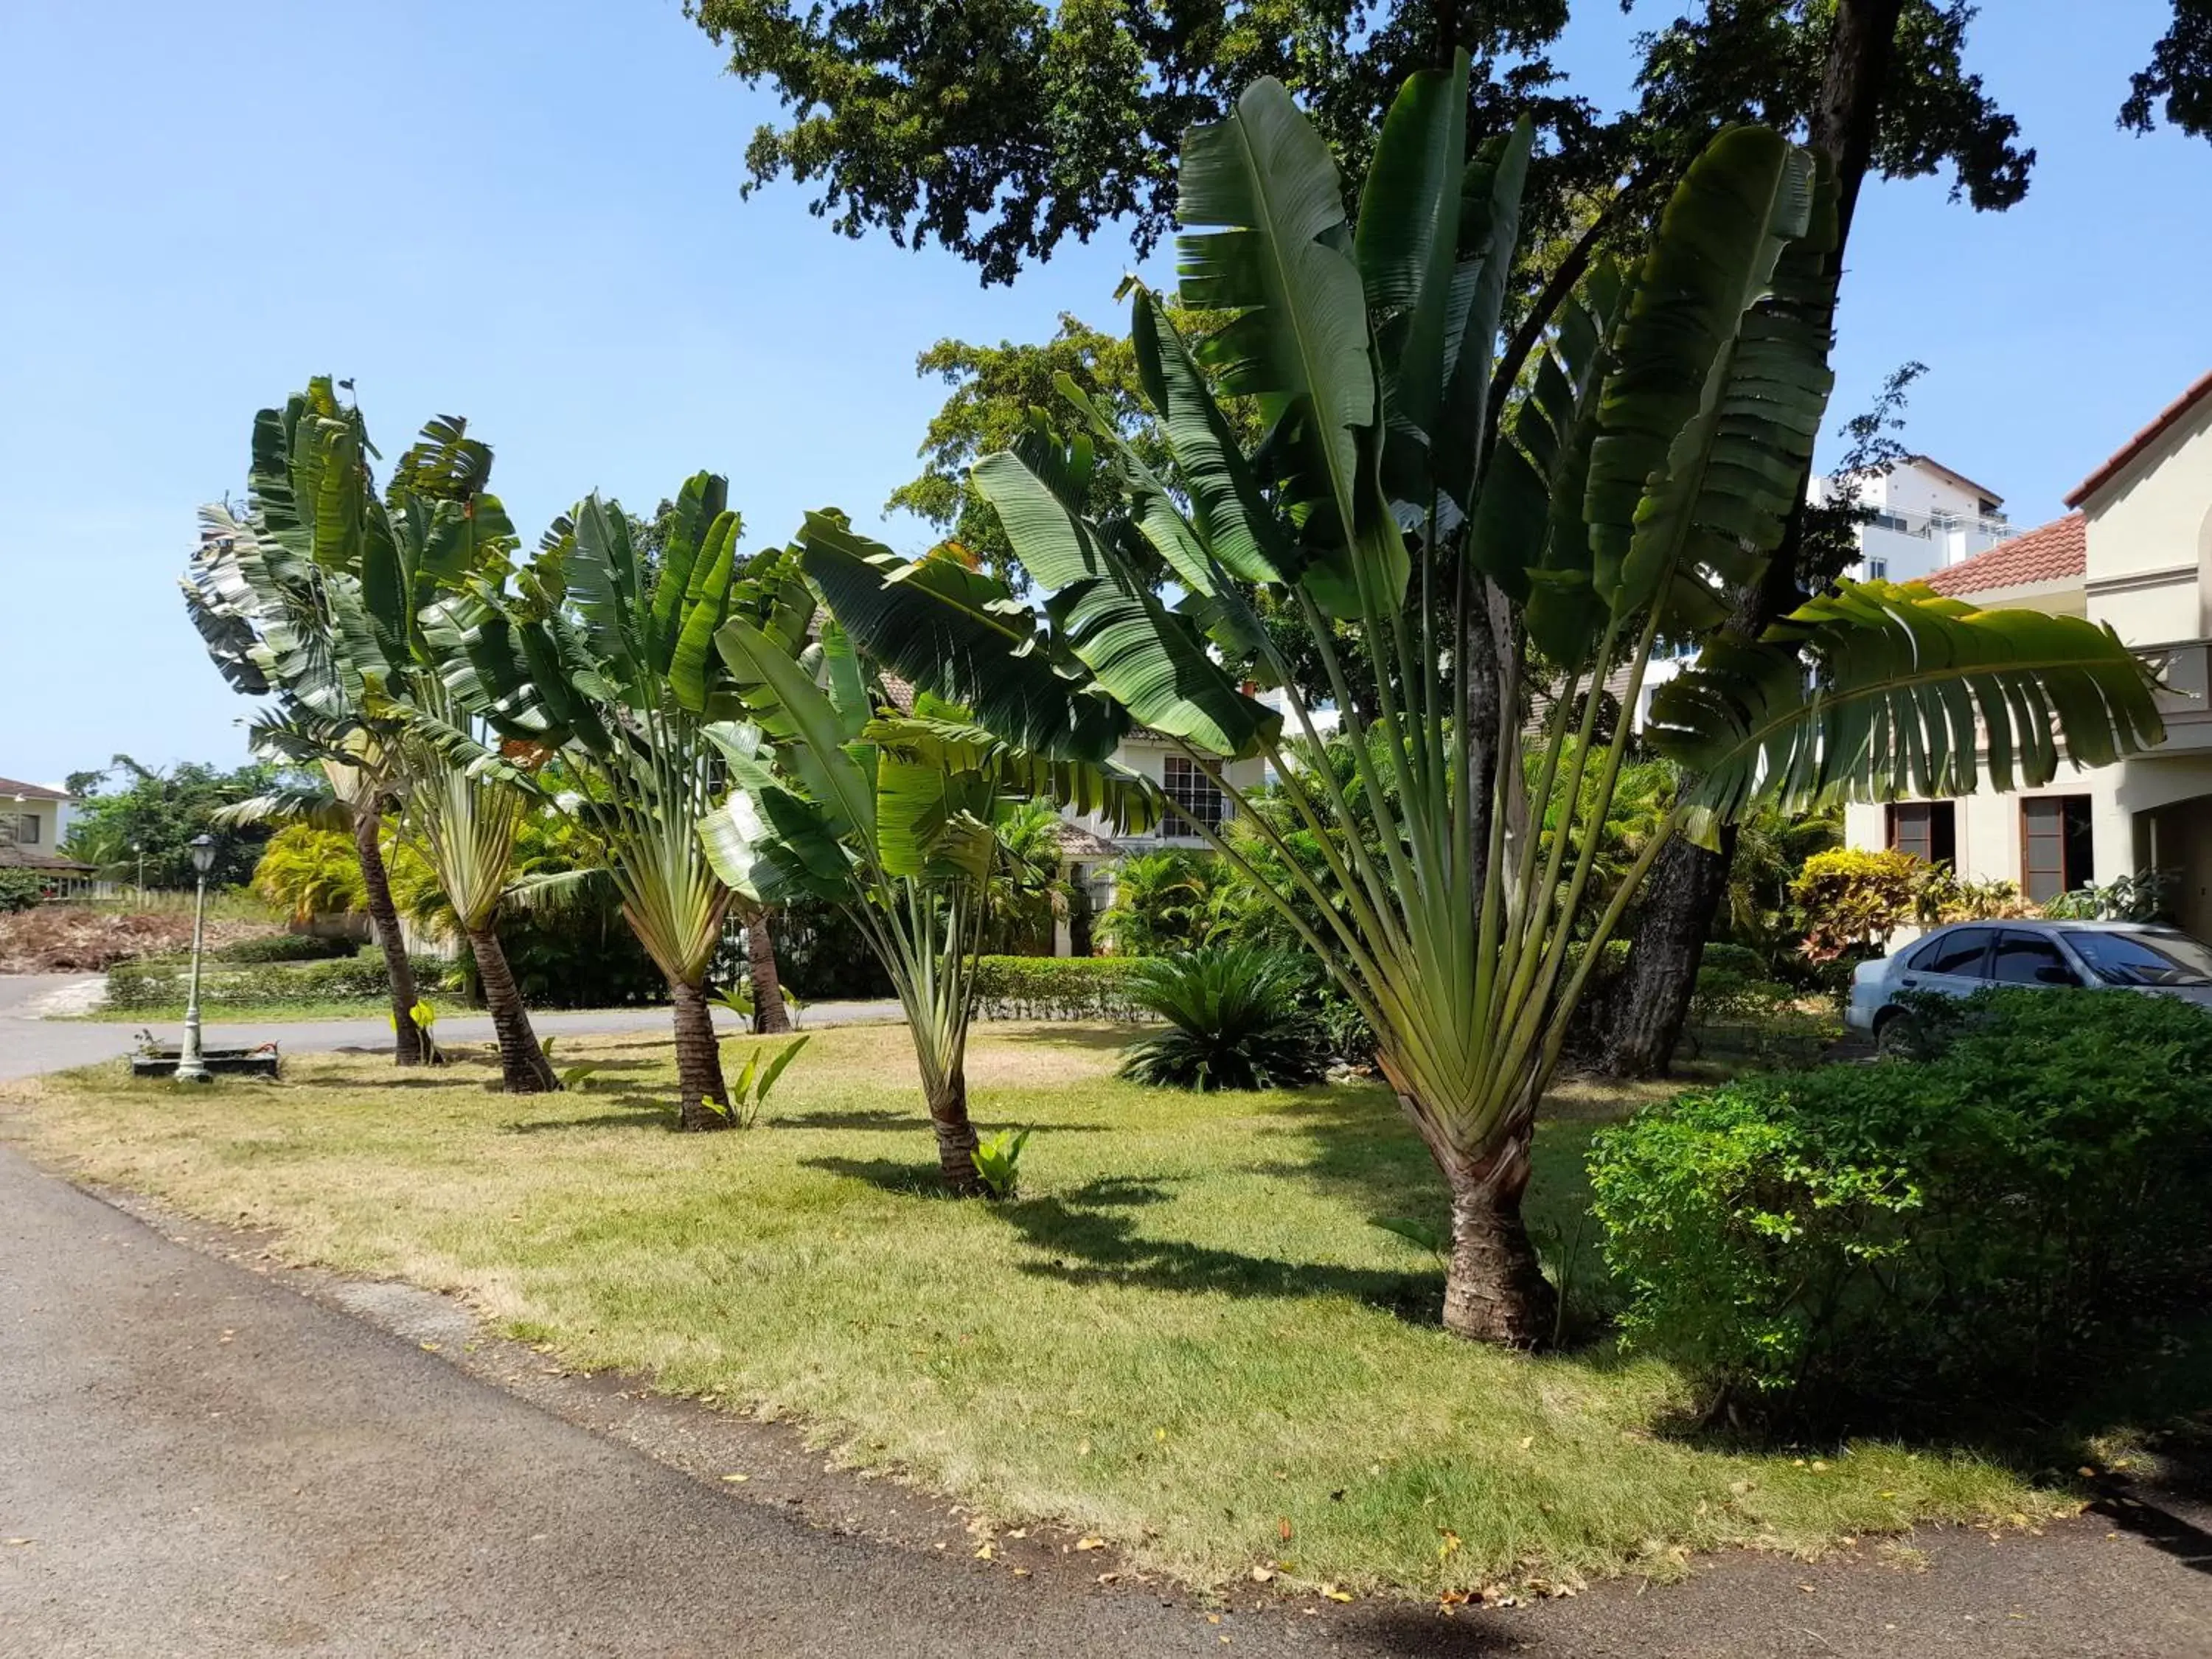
2129	958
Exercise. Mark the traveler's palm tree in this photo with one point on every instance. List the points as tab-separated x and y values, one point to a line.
263	611
382	561
1644	476
890	817
603	649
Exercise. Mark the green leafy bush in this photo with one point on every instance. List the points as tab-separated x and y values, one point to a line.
1853	1239
164	981
1234	1021
285	947
1054	987
20	890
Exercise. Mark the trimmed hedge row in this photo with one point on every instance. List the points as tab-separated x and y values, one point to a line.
1055	987
1858	1242
158	983
285	947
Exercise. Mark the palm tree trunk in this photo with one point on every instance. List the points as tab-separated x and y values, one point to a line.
1494	1288
409	1047
956	1135
698	1061
771	1016
523	1068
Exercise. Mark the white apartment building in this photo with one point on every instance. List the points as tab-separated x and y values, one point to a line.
1927	519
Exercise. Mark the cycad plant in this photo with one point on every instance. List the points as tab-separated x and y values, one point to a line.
603	649
1643	474
889	816
1233	1020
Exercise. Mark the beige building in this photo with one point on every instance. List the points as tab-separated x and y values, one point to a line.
2135	552
33	821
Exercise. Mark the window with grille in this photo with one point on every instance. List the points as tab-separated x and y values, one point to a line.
2057	854
1189	788
1877	570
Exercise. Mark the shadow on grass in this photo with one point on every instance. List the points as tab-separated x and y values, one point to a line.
1087	1237
1099	1038
909	1180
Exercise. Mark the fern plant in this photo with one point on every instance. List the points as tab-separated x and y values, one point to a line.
1233	1022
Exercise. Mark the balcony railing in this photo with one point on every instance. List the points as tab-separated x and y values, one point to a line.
2184	674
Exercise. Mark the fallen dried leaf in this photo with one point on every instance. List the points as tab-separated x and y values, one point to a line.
733	1479
1283	1528
1091	1543
985	1553
1336	1595
1262	1575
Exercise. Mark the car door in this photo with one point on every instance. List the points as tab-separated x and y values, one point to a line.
1953	963
2032	959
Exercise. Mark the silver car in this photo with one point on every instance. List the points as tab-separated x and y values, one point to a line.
1968	956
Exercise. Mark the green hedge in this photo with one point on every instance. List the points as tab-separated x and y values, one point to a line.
1054	987
158	982
285	947
1859	1241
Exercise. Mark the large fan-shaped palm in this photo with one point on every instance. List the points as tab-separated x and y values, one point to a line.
892	818
1646	475
603	649
263	613
381	559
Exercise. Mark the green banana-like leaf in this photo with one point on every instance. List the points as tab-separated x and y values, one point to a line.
1529	535
963	635
1131	803
1719	382
1234	523
1912	692
1149	659
760	862
702	613
700	505
1489	231
788	704
1265	241
931	821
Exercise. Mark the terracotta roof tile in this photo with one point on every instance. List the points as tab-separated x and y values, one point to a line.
2143	441
2049	553
1077	842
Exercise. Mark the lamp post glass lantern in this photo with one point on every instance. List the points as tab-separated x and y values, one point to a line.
191	1066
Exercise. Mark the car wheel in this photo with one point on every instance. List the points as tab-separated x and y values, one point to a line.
1890	1030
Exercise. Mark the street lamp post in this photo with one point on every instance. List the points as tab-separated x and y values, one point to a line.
191	1066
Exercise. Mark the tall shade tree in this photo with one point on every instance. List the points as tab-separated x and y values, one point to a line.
384	559
997	130
262	607
889	817
607	656
1646	475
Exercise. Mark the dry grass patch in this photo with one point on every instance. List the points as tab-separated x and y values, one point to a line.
1188	1335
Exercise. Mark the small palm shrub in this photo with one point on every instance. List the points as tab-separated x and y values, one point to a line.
1233	1018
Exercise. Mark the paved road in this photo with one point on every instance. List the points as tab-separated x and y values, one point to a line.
29	1045
198	1461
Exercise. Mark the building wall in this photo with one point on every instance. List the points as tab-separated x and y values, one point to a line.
1148	758
2150	540
1923	497
52	818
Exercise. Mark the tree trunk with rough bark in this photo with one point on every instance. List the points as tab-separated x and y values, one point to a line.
956	1135
1643	1011
523	1068
1645	1021
771	1016
1494	1287
409	1047
698	1061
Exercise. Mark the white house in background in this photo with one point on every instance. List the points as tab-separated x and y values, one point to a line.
33	821
1926	519
2136	552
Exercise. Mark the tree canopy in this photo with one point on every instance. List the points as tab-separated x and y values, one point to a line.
998	128
127	808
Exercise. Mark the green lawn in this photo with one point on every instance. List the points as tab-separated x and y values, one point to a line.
1189	1336
242	1013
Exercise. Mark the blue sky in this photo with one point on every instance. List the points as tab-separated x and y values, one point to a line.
528	213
